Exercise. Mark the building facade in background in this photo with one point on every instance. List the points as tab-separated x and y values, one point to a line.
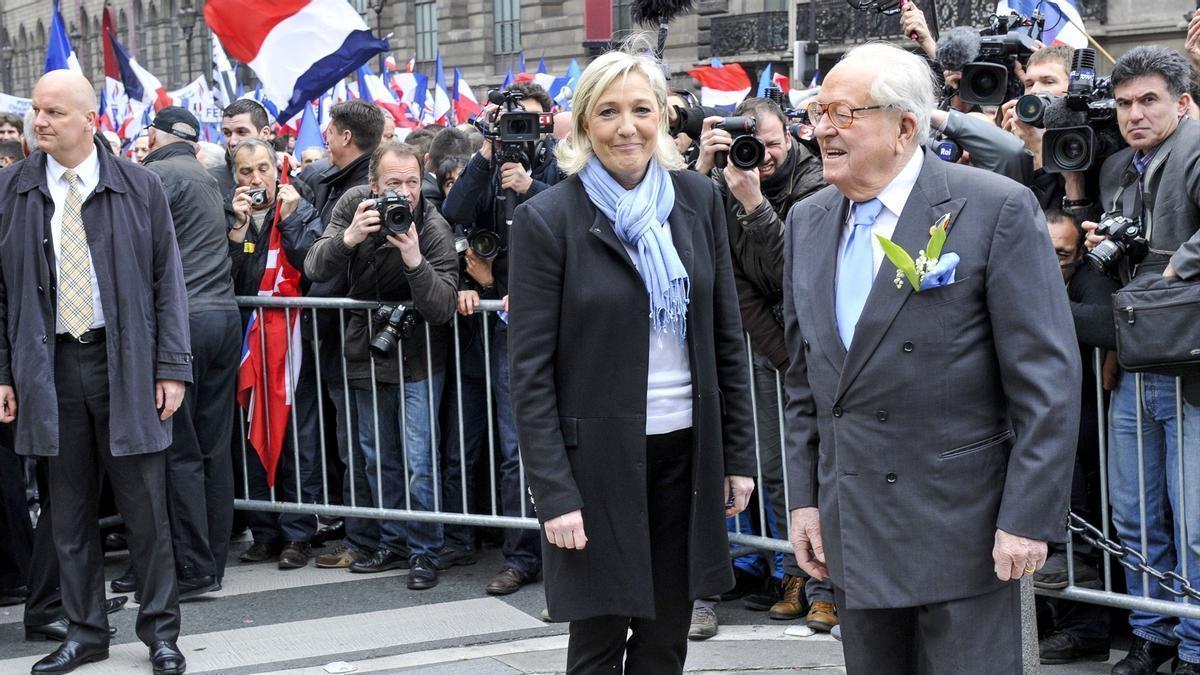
485	38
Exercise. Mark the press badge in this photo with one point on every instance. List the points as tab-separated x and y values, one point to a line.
248	247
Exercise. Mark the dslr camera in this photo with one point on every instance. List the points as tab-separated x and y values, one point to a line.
1081	127
398	324
989	79
485	243
1126	240
746	151
395	212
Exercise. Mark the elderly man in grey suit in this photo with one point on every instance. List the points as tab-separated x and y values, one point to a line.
929	433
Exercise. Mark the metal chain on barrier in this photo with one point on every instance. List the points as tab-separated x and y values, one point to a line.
1131	558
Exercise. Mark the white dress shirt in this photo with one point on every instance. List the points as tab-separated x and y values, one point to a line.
89	176
894	197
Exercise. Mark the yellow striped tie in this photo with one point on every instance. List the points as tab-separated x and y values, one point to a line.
75	282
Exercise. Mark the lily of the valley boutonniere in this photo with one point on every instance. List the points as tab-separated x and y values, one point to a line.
931	269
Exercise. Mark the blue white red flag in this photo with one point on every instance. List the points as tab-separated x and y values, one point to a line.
60	55
272	352
723	87
466	106
1064	25
297	48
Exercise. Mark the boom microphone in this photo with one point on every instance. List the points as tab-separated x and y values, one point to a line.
1058	116
657	12
957	47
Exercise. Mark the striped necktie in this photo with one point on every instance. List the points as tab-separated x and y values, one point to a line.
74	265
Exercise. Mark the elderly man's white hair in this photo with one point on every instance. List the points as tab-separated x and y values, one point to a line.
903	81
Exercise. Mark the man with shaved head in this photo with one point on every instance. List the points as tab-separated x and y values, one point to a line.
84	337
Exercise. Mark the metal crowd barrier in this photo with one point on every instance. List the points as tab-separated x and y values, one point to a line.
769	385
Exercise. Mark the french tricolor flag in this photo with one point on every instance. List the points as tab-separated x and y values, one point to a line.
466	106
1064	25
722	87
140	84
297	48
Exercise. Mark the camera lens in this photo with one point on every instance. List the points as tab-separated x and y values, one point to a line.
1031	108
1105	255
1071	151
747	152
486	244
384	341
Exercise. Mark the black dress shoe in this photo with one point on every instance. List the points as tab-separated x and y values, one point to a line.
55	631
422	573
381	561
190	589
332	532
115	604
115	541
69	656
1144	657
259	552
1062	648
166	659
1186	668
126	583
295	554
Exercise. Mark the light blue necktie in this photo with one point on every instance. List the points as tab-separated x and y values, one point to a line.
856	273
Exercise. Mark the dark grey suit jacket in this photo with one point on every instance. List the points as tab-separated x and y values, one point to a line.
955	411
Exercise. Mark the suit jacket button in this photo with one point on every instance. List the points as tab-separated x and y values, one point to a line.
891	477
806	346
41	290
908	346
837	411
43	339
881	415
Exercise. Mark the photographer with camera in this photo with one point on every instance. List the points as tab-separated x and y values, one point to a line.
1150	192
257	198
762	171
516	162
394	249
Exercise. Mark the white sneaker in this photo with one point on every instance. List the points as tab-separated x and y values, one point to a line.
704	623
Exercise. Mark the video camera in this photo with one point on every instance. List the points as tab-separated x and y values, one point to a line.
1081	127
989	79
511	130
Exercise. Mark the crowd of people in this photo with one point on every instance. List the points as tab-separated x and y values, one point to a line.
120	284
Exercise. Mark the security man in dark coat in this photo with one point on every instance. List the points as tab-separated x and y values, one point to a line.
76	225
198	462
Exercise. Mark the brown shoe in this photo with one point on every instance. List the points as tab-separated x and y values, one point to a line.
340	558
791	606
822	616
294	555
259	552
507	580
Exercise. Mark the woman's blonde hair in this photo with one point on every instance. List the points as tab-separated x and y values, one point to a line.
634	56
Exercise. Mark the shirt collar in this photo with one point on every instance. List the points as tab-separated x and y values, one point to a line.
1141	160
895	195
88	170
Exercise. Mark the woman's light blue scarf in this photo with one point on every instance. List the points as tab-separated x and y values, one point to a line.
639	217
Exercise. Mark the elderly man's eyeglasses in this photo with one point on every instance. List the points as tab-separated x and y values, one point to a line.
841	115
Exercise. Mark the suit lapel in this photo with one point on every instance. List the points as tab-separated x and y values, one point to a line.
928	201
824	282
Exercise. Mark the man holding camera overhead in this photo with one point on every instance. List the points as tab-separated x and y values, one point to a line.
1155	183
395	251
474	206
762	171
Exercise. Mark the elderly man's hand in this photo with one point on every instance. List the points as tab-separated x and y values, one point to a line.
1015	556
8	403
168	396
806	541
566	531
289	199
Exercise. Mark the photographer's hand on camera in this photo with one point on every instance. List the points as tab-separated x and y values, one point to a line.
745	186
242	208
480	270
364	225
410	247
515	177
712	141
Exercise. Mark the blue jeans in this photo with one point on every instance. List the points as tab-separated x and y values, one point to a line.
1170	498
414	449
522	548
361	533
460	454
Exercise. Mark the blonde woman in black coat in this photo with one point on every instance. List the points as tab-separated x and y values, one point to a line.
629	380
